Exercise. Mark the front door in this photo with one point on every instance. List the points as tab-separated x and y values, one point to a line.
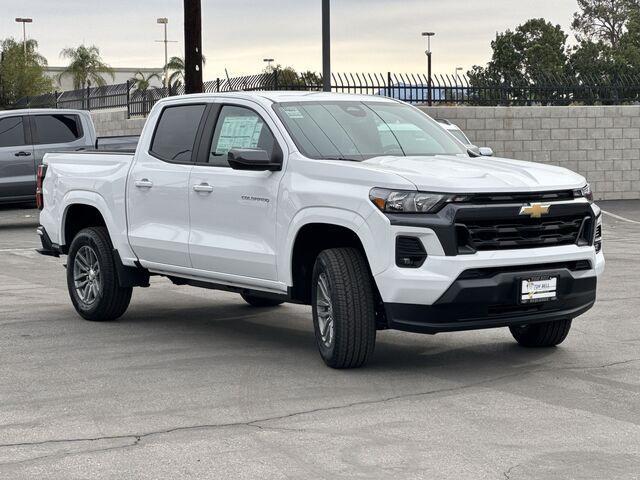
17	167
158	189
233	212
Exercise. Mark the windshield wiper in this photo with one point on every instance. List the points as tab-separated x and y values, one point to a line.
341	158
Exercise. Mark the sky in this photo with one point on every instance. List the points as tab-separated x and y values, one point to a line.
367	35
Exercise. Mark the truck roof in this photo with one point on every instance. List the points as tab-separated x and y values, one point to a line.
33	111
284	96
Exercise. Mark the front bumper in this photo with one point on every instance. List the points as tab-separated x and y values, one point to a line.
492	300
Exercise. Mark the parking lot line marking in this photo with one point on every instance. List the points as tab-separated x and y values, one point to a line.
620	218
17	249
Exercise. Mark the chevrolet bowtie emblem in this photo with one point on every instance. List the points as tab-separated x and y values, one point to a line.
535	210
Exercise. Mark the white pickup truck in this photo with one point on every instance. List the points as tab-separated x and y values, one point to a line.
362	207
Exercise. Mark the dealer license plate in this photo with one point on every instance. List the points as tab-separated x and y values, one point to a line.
538	289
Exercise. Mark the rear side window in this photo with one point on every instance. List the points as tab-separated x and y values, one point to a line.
57	128
11	132
176	132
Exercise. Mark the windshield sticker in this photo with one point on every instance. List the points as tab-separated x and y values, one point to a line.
293	112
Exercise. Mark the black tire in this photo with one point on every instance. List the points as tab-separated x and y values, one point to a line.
547	334
352	307
112	300
260	302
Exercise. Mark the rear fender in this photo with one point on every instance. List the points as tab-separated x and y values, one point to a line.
116	224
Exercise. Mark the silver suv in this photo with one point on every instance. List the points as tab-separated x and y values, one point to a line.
26	135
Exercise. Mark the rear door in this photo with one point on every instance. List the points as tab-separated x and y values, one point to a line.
17	169
158	188
55	132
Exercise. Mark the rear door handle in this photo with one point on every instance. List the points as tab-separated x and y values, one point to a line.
23	154
203	187
144	183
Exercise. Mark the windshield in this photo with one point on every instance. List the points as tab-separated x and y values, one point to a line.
352	130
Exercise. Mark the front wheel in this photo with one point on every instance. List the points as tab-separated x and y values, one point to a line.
92	279
547	334
343	308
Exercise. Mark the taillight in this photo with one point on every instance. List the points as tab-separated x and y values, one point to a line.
42	171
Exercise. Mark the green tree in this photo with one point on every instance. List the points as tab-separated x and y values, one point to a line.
601	20
288	77
142	82
175	65
533	49
608	34
86	66
20	75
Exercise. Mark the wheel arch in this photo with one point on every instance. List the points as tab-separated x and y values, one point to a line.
317	230
84	209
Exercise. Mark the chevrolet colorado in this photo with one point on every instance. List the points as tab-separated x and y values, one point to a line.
362	207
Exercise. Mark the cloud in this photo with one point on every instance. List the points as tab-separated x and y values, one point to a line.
368	35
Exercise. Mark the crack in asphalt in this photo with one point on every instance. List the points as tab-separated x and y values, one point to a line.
507	473
138	438
255	423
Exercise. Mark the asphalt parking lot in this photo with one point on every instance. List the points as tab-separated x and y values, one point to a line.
196	384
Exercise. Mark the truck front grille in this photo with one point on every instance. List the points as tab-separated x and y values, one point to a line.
513	233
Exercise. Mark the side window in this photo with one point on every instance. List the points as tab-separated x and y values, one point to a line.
239	127
12	132
56	128
176	132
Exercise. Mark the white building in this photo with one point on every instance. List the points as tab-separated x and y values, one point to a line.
121	75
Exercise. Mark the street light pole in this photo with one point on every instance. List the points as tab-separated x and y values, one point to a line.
268	61
428	53
164	21
192	46
326	46
24	21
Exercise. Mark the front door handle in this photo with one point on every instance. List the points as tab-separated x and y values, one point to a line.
23	154
144	183
203	187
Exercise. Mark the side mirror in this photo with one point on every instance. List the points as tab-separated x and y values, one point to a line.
252	159
486	151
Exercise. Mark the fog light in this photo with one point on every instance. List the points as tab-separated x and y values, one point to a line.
410	252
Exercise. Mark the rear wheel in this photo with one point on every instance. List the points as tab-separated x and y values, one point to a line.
261	302
343	308
92	279
547	334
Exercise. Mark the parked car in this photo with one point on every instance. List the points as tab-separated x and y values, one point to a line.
459	135
362	207
27	135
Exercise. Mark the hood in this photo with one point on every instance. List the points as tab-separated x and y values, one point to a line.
463	174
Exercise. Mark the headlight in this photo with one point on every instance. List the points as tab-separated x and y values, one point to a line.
404	201
585	192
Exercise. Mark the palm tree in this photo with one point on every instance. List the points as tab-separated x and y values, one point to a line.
86	66
141	83
175	65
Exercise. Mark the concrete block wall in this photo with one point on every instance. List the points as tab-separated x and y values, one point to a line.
602	143
115	122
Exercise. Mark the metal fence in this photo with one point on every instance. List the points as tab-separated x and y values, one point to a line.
412	88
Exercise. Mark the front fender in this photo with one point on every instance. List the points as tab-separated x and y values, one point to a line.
332	216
